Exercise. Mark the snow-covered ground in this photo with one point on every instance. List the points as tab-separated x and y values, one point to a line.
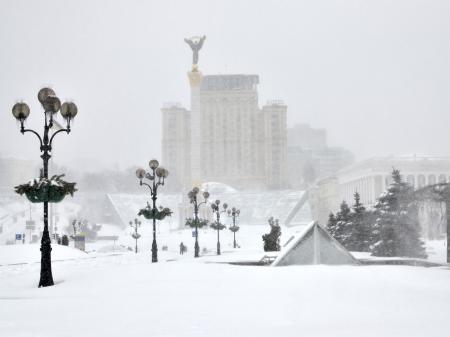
29	253
114	293
437	250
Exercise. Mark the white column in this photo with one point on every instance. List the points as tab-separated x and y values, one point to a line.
195	78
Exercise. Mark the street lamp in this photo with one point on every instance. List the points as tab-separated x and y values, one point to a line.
135	235
76	226
217	225
193	198
51	105
234	213
157	176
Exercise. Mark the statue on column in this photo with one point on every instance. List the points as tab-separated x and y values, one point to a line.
196	43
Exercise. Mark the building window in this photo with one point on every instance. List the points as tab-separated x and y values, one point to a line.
431	179
411	180
387	181
421	181
442	178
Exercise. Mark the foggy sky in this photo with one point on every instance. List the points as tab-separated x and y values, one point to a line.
375	74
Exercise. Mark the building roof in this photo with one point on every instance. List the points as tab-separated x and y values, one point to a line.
256	207
314	246
404	163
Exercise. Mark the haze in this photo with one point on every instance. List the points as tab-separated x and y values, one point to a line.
375	74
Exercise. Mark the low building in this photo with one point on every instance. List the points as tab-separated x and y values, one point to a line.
371	177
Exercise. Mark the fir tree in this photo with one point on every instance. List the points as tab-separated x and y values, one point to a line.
359	228
342	220
331	225
397	228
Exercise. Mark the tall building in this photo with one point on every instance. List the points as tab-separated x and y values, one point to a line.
176	126
226	137
274	151
228	123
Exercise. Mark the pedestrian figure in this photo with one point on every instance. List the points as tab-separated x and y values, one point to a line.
181	248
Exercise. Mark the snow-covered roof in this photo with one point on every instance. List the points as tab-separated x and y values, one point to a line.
255	207
215	187
313	246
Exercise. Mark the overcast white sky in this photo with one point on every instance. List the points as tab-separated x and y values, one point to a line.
375	74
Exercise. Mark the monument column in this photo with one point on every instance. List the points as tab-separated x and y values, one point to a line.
193	177
195	80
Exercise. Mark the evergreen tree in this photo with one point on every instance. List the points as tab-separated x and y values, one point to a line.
331	224
272	239
397	228
360	228
342	220
352	226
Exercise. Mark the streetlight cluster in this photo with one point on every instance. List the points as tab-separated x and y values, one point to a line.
51	104
193	198
156	176
153	179
135	235
234	213
216	225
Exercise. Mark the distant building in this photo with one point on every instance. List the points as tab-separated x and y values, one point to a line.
274	147
330	160
255	206
309	158
323	199
176	144
305	137
15	171
226	137
371	177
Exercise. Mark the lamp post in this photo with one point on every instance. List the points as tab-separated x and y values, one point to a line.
135	235
51	104
234	213
218	226
157	176
193	198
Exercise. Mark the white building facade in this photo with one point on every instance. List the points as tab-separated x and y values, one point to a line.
371	177
226	137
